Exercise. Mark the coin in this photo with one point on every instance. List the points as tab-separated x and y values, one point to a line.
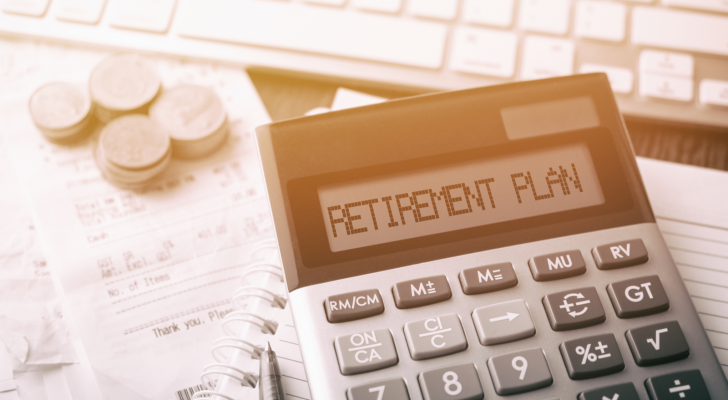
134	142
61	111
195	118
123	83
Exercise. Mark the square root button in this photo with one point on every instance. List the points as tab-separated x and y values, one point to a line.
365	351
638	297
559	265
435	337
421	292
658	344
574	309
503	322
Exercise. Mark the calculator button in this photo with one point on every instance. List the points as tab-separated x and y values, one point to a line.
520	371
620	254
574	309
638	297
488	278
592	356
557	265
685	385
658	343
457	382
435	337
365	351
390	389
421	292
503	322
354	305
624	391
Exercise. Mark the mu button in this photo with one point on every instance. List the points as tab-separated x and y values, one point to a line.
638	297
421	292
560	265
574	309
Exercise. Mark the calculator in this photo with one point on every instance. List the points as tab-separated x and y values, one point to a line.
488	243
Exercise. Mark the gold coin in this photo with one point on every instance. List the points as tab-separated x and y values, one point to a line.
124	82
189	112
134	142
59	107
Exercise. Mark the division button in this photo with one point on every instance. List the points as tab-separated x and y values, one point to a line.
658	343
488	278
685	385
365	351
457	382
624	391
574	309
354	305
592	356
435	337
560	265
390	389
421	292
520	371
638	297
503	322
620	254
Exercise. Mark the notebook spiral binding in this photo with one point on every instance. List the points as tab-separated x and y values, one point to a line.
232	340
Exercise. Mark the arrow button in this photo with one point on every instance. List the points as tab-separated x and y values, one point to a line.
503	322
509	316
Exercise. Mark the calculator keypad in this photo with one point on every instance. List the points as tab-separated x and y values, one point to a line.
658	344
620	254
390	389
503	322
592	356
624	391
489	278
365	351
574	309
559	265
435	337
457	382
520	371
421	292
638	297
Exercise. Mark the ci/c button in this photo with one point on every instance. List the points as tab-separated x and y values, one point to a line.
638	297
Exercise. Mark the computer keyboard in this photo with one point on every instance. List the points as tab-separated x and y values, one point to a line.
666	59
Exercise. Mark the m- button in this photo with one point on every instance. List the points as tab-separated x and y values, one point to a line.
560	265
638	297
421	292
353	305
620	254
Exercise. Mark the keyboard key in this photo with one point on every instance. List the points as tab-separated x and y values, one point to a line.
489	278
457	382
709	5
83	11
658	344
482	51
489	12
620	254
666	87
353	305
652	26
503	322
326	2
143	15
600	20
621	79
435	337
520	371
713	92
439	9
592	356
559	265
545	57
390	389
547	16
365	351
31	8
624	391
684	385
392	40
388	6
421	292
662	62
638	297
574	309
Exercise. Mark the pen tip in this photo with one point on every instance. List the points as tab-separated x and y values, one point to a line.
267	346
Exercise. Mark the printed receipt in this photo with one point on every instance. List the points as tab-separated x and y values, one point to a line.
148	274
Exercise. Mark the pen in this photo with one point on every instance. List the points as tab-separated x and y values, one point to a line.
271	387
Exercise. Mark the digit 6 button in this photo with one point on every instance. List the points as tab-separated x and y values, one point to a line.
638	297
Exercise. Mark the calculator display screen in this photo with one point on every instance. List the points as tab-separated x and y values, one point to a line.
394	207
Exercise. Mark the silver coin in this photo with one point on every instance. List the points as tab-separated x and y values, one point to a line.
129	179
59	107
189	112
124	82
134	142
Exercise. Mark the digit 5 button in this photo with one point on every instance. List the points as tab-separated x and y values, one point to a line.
638	297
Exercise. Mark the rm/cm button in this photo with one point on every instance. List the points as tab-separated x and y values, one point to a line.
353	305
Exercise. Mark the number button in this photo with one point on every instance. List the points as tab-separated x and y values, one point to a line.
365	351
435	337
458	382
520	371
390	389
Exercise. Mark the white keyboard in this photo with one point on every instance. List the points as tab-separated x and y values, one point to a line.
666	59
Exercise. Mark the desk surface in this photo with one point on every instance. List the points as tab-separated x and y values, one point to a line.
288	97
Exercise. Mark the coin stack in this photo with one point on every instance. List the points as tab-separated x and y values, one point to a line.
133	150
61	111
123	84
195	118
